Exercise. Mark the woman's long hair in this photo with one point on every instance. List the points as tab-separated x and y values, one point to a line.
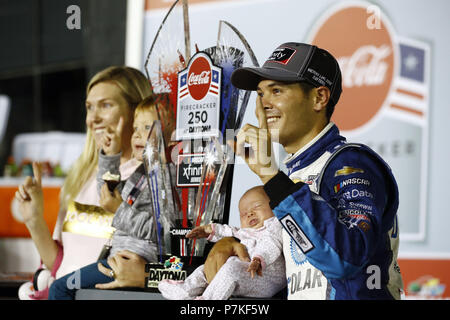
134	87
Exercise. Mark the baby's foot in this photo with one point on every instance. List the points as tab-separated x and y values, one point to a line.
174	290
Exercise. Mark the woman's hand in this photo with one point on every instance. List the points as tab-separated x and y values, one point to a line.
30	196
200	232
111	140
110	201
128	270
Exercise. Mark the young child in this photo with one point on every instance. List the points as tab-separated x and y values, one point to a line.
133	219
260	232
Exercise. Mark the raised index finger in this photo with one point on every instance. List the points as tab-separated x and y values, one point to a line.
260	113
115	129
119	127
37	172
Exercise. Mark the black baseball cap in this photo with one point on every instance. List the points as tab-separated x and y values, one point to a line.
294	62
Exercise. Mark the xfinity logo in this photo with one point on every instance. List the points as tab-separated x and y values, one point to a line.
189	169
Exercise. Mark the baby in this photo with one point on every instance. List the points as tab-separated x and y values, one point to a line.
133	218
260	232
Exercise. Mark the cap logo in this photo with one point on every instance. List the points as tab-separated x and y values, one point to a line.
282	55
319	78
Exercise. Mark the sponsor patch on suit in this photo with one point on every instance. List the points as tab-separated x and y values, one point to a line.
296	233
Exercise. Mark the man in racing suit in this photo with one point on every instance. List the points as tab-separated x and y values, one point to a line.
338	202
339	213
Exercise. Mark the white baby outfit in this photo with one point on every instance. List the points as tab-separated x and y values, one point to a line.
233	277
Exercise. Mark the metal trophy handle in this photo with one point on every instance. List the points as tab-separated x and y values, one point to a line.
213	170
160	187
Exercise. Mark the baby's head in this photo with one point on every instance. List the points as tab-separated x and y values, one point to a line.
254	208
152	108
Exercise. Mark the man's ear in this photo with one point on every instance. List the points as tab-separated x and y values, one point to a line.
322	96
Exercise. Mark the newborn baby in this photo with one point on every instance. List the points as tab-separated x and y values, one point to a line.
260	232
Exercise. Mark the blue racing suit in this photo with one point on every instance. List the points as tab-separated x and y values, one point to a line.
338	208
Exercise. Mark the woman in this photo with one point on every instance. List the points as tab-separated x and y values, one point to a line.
81	231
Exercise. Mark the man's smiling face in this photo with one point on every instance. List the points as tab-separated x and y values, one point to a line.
289	112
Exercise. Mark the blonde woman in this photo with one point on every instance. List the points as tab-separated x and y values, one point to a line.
130	202
82	228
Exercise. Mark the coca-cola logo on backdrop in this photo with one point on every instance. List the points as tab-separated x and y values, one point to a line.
366	55
199	78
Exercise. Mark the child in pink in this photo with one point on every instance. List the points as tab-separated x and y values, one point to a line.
260	232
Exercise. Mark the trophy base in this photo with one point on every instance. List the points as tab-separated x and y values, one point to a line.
173	268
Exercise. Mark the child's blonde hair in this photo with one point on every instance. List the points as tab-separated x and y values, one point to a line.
134	87
161	104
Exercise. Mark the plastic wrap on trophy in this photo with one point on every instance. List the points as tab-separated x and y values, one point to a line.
229	59
169	51
233	51
160	183
168	54
213	170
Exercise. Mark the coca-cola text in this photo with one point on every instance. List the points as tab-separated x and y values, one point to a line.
366	66
198	79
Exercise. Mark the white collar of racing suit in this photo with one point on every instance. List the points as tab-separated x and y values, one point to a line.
309	144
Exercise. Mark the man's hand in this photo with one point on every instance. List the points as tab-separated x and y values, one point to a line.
128	268
259	157
200	232
110	201
219	254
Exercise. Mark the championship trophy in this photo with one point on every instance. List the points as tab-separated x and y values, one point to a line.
213	171
160	186
165	209
207	108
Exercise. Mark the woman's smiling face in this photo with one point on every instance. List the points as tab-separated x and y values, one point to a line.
104	107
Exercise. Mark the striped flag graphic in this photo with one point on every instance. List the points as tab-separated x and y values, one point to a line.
214	87
183	88
410	93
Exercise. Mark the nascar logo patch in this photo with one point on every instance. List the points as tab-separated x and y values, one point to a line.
350	181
